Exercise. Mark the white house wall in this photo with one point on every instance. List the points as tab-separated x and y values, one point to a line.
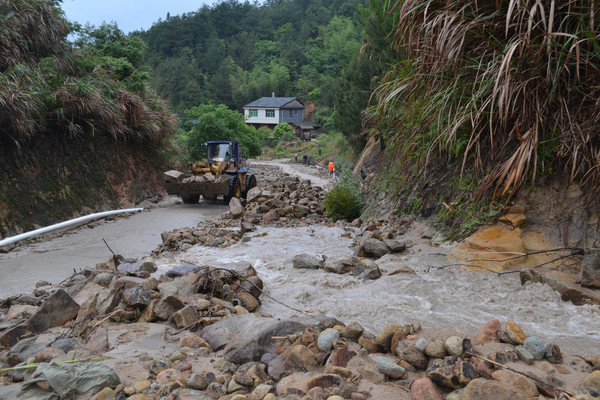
262	118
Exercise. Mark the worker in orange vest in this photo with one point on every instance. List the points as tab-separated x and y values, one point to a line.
331	169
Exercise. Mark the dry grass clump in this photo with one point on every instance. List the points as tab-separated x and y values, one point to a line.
47	86
30	30
511	87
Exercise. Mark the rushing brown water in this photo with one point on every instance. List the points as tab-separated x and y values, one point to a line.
440	298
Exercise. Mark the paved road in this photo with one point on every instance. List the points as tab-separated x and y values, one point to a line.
135	236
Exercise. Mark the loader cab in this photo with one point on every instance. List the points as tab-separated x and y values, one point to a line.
222	151
225	157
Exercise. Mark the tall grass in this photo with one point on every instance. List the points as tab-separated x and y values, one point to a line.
47	86
511	87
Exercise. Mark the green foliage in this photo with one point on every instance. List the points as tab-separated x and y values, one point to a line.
284	132
345	200
209	122
235	52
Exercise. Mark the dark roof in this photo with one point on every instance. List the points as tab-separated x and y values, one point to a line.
273	102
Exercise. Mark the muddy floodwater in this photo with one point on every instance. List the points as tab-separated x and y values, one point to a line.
445	298
134	236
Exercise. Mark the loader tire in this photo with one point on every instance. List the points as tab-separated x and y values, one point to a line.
235	189
190	199
250	183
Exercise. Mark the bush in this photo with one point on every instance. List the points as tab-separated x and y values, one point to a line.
345	200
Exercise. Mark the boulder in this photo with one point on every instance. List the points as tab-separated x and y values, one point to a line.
255	337
307	261
564	283
375	248
484	389
57	310
236	208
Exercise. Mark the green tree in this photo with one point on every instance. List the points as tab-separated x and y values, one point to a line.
283	132
217	122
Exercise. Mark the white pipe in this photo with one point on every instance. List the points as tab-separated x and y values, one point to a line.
65	224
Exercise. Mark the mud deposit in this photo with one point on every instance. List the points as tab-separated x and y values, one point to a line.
439	298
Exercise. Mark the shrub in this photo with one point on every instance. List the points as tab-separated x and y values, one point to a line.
345	200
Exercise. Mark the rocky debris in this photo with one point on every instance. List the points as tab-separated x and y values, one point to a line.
197	332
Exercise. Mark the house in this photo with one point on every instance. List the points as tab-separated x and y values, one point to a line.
270	111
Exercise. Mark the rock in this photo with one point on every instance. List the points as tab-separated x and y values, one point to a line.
185	317
246	300
564	283
326	339
553	353
384	338
293	385
484	389
195	381
194	342
590	269
413	356
369	344
375	248
352	331
235	208
167	306
454	346
184	269
261	391
425	389
515	332
516	220
442	373
300	358
366	269
335	267
324	381
524	355
519	383
436	349
340	357
492	243
221	332
167	376
535	346
255	337
48	354
395	245
137	297
253	194
57	310
592	381
136	268
307	261
105	394
389	368
487	333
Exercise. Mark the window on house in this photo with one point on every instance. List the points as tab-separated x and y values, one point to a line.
253	113
291	113
270	113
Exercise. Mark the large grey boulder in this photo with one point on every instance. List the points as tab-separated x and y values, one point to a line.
307	261
376	248
219	333
255	338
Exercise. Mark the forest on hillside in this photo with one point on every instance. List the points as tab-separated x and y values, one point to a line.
235	52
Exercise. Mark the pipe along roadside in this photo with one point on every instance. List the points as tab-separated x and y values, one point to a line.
65	224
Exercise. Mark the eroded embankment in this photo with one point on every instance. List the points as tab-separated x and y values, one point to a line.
57	179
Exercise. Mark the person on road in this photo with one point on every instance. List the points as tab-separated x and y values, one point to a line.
331	169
